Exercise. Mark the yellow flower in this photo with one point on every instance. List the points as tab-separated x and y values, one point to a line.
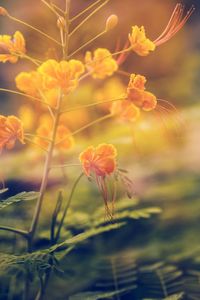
102	64
29	83
63	74
13	48
142	45
139	42
11	129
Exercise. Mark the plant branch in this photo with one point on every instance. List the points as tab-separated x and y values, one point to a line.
86	126
92	104
87	18
67	207
85	10
15	230
33	28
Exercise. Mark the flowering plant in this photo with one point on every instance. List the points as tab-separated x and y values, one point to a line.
51	83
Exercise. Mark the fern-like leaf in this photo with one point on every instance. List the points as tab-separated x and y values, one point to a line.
24	196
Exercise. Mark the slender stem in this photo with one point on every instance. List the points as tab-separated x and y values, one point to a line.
67	23
57	8
50	6
34	28
35	144
38	136
86	126
121	51
44	178
85	10
87	43
64	166
15	230
33	60
67	207
92	104
49	155
88	17
25	95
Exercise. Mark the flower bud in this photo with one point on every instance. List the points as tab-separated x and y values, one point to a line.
111	22
61	23
3	11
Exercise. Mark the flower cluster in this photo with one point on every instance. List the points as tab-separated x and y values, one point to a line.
53	81
50	79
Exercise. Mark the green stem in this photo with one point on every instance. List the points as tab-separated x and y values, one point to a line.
67	207
15	230
44	178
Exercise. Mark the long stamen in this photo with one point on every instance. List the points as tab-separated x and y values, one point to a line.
176	22
173	16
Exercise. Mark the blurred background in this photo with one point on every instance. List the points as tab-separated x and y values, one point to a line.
160	152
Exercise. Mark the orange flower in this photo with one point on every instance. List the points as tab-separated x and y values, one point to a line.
63	75
102	64
137	98
64	140
100	160
11	129
142	45
137	95
12	48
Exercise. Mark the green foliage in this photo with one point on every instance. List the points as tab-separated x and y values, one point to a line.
84	236
24	196
97	295
3	191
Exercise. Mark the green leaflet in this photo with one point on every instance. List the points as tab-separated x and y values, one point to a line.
24	196
39	260
3	191
85	235
97	295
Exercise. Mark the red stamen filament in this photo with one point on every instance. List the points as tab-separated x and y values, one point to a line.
176	22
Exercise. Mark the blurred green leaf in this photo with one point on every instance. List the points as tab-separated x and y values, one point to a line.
24	196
